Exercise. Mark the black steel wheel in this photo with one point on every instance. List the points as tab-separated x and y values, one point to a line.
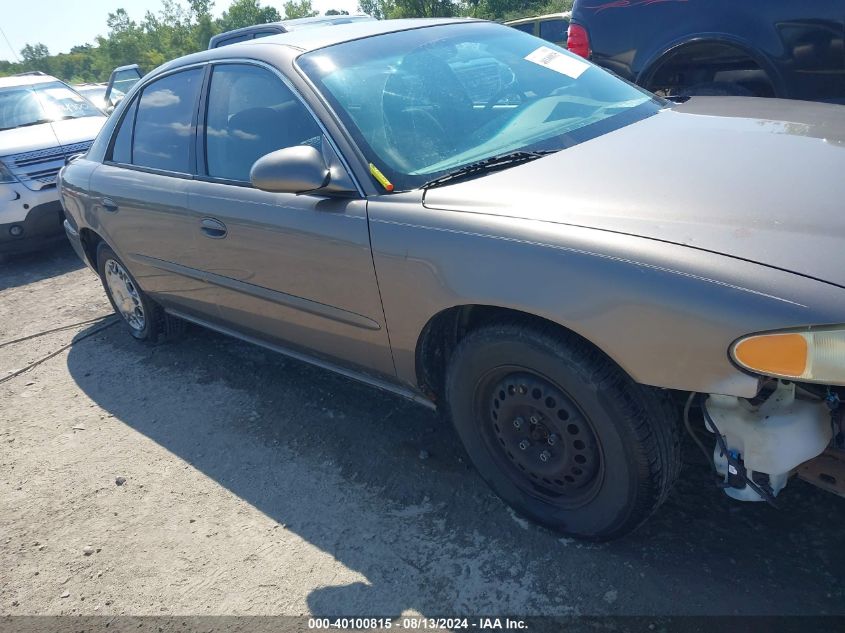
540	435
559	431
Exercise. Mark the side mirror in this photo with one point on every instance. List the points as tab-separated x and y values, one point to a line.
297	169
122	79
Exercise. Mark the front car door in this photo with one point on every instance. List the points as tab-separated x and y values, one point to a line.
292	270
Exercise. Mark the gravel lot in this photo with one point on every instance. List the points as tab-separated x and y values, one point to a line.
254	484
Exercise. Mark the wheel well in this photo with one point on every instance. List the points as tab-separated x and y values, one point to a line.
444	331
90	242
706	62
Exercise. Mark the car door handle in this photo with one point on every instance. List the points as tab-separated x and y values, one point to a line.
213	228
110	205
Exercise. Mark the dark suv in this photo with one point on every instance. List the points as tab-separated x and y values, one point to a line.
767	48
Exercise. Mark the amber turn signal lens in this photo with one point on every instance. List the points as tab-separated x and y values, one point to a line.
811	355
775	354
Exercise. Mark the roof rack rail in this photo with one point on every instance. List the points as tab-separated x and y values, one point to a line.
30	72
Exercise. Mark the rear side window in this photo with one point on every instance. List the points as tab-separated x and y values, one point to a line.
164	123
234	40
266	33
251	112
554	30
527	27
122	149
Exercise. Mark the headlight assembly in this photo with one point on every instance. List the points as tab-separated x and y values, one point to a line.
807	355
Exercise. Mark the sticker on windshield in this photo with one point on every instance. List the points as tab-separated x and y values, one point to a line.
553	60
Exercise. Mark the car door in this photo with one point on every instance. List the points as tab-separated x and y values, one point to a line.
141	191
292	270
121	81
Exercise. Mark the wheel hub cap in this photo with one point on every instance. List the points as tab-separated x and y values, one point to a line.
125	295
543	434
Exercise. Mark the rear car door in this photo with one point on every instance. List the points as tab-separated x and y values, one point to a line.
292	270
140	192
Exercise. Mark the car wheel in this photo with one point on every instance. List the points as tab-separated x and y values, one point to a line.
142	315
560	432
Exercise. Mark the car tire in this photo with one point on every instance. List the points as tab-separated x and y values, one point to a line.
615	452
143	317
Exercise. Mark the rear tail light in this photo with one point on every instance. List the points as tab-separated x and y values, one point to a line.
578	41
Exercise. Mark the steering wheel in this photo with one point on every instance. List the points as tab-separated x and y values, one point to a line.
511	87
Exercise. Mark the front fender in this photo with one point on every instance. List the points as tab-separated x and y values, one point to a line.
667	314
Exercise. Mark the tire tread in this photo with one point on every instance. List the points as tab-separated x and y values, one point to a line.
648	412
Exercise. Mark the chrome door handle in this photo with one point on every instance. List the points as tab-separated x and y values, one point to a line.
110	205
212	228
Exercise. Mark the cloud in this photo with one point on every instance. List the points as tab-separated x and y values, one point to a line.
160	98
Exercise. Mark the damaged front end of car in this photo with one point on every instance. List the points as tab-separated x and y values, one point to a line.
793	426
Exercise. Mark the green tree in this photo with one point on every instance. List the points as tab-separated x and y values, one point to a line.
423	9
204	26
379	9
336	12
299	9
33	54
180	27
512	9
246	13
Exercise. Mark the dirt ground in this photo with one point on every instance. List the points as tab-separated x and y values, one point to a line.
254	484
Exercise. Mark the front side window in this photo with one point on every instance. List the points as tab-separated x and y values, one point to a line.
164	123
425	102
22	106
251	112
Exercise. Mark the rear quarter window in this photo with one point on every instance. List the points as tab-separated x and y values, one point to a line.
122	147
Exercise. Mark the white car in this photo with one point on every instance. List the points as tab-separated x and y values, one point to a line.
96	94
42	122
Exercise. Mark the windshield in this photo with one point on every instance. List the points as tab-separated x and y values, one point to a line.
41	103
97	94
426	102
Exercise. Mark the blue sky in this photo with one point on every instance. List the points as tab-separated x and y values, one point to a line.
61	24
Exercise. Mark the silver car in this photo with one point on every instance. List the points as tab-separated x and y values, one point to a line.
455	211
42	122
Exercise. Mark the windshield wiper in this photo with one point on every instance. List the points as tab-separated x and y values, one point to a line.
494	163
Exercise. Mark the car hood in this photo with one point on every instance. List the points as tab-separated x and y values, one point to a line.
757	179
35	137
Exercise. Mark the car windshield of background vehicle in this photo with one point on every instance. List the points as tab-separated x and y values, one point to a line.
425	102
42	103
97	95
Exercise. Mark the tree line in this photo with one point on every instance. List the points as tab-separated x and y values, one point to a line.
178	29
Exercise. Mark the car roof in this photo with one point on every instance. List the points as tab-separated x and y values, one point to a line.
312	39
548	16
284	26
298	23
25	80
305	40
